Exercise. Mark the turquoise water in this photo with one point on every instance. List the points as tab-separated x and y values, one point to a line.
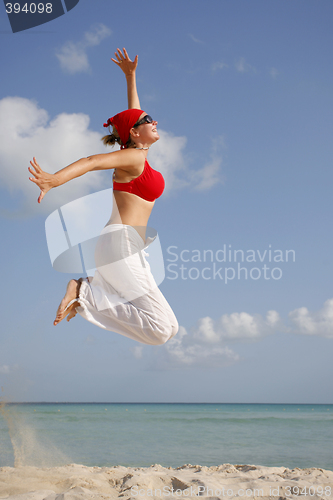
168	434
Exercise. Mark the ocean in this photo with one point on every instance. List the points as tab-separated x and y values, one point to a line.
142	434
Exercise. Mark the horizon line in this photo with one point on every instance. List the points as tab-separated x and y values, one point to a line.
152	403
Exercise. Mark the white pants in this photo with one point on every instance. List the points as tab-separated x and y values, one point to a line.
123	296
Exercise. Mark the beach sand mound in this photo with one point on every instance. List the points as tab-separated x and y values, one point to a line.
77	482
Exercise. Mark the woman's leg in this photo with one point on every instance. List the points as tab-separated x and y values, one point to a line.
123	296
148	319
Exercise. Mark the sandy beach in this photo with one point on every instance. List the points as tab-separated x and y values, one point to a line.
78	482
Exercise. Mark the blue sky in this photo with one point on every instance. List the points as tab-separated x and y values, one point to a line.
242	92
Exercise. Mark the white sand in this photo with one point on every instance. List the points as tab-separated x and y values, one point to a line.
77	482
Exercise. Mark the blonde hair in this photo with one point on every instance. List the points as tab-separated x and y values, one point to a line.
112	139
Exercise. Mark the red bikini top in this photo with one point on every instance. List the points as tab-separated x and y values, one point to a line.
149	185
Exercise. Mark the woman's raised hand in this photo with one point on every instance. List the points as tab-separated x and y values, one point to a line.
44	181
124	62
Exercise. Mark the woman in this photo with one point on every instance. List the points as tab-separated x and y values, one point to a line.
122	296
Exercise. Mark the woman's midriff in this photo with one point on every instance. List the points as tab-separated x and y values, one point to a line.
131	210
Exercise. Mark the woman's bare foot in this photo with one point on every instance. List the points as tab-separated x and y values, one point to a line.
73	312
72	293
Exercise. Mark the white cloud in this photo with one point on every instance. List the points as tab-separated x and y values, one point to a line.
27	131
90	339
184	350
236	326
209	175
313	323
243	67
137	351
196	40
96	35
8	369
219	65
273	72
73	56
205	345
168	157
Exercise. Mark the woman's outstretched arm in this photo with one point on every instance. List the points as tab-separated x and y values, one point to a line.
128	67
127	160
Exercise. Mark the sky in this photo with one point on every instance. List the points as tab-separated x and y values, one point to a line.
242	92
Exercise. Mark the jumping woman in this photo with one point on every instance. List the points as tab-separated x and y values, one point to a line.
122	296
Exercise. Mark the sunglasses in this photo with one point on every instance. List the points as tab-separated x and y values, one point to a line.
145	119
